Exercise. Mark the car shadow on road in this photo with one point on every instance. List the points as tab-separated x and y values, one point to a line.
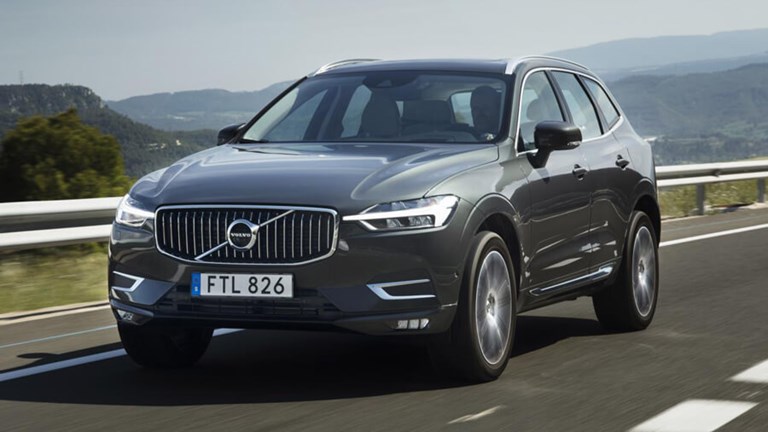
271	366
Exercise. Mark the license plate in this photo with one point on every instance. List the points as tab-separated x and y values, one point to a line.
242	285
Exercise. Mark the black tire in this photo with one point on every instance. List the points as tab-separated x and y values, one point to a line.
617	307
458	352
159	347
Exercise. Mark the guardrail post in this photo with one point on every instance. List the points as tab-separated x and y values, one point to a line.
761	190
700	196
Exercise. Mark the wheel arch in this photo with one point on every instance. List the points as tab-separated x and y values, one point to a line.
495	213
647	202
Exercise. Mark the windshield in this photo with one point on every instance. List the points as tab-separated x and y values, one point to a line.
390	106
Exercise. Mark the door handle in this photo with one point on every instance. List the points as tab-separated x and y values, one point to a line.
621	162
579	171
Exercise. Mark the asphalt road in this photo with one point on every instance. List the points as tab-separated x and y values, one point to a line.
566	373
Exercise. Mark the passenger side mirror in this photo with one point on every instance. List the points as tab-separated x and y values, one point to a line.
553	135
229	132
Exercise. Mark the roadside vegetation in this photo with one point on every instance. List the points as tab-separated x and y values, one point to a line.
681	201
52	277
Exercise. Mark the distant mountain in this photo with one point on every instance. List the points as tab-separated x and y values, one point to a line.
646	53
709	117
198	109
731	102
701	66
144	148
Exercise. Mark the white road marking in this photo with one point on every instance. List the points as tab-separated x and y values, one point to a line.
696	415
58	336
756	374
35	370
473	417
712	235
21	373
53	315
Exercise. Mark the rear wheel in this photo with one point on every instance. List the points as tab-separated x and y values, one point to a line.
630	303
159	347
478	343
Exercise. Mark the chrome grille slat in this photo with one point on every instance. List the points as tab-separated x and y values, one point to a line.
210	237
193	233
258	239
194	237
178	229
310	233
266	237
301	237
162	228
250	252
293	234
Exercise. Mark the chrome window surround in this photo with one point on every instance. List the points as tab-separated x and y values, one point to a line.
334	242
615	126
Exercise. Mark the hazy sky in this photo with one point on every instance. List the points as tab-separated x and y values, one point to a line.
130	47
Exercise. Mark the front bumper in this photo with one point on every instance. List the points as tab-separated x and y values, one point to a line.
373	283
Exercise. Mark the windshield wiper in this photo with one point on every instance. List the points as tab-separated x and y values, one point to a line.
252	141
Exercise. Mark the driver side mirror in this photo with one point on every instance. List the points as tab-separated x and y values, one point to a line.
229	132
550	136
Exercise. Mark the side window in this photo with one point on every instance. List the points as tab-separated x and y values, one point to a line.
539	104
610	112
351	120
293	126
582	110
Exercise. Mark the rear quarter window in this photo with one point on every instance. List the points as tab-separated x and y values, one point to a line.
609	111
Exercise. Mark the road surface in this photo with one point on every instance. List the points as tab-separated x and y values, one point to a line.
699	365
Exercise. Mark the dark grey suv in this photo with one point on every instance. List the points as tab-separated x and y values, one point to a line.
437	198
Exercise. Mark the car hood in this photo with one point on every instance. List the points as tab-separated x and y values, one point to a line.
348	177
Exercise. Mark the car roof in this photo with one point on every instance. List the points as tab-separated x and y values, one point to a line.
497	66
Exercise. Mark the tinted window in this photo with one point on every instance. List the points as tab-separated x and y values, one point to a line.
294	125
539	104
581	108
351	121
610	112
396	106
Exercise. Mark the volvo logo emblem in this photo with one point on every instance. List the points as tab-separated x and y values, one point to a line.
241	234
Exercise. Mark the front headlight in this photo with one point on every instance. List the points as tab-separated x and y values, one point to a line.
129	212
429	212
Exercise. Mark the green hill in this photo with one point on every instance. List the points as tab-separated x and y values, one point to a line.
144	148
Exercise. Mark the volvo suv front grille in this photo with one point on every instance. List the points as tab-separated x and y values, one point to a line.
269	235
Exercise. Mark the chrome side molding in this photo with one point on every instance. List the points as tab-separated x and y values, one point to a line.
600	274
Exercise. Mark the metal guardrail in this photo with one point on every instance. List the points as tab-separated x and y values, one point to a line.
36	224
700	175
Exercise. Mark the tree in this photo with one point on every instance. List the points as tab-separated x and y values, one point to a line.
59	157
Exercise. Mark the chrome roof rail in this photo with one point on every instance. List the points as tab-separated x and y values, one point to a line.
512	63
334	65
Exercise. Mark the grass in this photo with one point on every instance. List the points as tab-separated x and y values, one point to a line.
52	277
681	201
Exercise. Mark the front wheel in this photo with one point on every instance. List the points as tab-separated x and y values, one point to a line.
478	343
630	303
160	347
